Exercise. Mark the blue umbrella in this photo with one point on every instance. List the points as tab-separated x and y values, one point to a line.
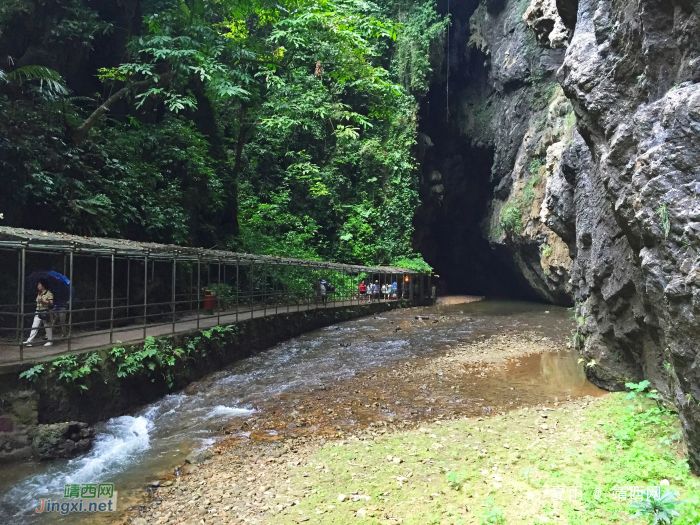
58	284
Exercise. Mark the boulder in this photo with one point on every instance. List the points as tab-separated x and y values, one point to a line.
62	440
199	456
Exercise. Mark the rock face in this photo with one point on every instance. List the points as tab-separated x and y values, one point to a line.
18	418
543	18
62	440
591	109
633	176
21	437
520	111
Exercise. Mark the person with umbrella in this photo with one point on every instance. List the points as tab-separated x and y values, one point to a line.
60	287
44	303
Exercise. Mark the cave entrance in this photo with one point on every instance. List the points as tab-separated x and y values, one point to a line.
455	193
455	185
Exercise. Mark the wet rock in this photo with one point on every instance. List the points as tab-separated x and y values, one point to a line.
62	440
190	469
199	456
633	173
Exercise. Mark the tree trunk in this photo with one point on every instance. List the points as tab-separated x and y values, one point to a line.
240	142
80	134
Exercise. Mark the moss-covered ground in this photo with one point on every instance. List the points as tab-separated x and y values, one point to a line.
582	462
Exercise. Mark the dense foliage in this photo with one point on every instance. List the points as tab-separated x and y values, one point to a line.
283	128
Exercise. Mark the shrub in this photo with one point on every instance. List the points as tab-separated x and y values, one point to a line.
511	219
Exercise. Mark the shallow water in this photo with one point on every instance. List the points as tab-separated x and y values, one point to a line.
133	450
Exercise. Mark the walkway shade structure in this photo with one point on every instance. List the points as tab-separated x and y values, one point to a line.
124	291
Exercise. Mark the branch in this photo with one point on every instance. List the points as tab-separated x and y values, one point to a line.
80	134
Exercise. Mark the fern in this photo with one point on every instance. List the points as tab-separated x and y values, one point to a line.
662	211
49	80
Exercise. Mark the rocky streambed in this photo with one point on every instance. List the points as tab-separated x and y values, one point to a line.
248	476
373	374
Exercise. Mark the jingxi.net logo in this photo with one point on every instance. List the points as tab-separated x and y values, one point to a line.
81	497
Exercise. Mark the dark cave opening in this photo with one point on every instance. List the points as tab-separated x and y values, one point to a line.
449	223
456	186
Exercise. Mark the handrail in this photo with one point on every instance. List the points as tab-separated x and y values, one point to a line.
126	291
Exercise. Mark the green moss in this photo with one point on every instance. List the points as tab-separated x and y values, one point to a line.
535	165
543	95
506	468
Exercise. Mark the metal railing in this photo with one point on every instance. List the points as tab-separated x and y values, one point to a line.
127	293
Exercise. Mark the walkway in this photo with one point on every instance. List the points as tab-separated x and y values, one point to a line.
114	290
86	341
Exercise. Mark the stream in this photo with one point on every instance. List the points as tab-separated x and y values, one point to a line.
133	450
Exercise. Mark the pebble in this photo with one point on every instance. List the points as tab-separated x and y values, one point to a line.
341	497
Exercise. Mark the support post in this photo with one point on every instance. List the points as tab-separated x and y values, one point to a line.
252	297
70	297
20	295
97	281
199	287
128	286
22	284
145	293
174	281
299	281
218	298
274	292
111	303
237	287
264	289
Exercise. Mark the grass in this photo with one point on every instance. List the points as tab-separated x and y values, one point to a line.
529	189
514	468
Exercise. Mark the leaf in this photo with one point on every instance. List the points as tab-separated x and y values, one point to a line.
48	79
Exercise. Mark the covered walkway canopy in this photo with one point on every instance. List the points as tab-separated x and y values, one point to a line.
123	290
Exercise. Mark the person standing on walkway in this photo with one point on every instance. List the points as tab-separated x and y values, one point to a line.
363	290
44	303
323	291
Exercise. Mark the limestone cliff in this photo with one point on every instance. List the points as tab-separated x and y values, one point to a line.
628	196
590	110
525	115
